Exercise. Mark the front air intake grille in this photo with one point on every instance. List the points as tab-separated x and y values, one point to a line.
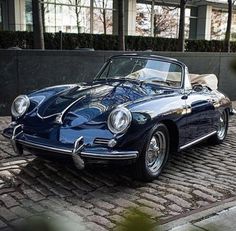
101	141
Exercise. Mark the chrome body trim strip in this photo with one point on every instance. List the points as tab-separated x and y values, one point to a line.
61	114
44	147
114	156
197	140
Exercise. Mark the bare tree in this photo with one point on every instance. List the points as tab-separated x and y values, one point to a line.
216	24
229	23
77	13
143	20
103	16
165	21
37	24
181	39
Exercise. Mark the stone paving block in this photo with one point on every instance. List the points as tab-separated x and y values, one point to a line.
81	211
179	201
93	226
7	214
194	178
2	225
204	196
102	204
21	212
8	200
154	198
33	195
101	221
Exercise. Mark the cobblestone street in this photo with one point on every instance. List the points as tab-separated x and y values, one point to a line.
99	196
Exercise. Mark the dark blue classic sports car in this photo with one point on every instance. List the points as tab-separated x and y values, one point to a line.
138	110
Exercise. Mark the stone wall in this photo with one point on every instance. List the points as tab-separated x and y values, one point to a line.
22	71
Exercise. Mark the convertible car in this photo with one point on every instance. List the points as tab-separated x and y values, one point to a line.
138	110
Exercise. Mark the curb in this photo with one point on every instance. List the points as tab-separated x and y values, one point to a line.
197	214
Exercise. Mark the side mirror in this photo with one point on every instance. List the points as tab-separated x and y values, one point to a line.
198	87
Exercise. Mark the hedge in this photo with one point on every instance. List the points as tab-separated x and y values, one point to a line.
24	40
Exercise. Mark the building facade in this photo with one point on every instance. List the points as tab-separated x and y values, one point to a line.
205	19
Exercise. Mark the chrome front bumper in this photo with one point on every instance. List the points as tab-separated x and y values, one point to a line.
78	152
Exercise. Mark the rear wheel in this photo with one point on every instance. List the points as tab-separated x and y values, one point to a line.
222	130
155	154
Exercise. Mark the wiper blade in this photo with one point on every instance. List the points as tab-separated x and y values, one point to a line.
161	82
127	79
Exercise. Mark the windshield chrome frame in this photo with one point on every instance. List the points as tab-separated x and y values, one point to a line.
184	75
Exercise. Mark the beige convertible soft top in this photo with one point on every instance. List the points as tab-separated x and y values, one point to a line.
209	80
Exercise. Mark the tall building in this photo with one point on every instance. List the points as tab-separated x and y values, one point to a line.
205	19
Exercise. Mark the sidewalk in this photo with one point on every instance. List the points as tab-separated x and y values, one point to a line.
218	217
222	221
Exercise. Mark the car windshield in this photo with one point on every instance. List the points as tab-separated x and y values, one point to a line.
143	69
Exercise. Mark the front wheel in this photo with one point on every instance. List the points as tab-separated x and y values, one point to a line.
222	130
155	154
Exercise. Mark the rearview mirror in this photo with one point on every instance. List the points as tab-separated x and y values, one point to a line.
198	87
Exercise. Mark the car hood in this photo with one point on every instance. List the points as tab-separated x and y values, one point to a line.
88	103
85	102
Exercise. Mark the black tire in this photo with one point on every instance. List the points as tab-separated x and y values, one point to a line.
143	168
221	134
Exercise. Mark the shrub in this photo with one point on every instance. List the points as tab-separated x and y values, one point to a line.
71	41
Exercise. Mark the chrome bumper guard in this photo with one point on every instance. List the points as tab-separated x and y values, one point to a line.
77	153
233	112
16	132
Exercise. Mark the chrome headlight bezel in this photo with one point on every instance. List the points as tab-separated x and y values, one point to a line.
113	116
25	103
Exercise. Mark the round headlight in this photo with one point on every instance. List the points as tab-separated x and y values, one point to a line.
20	106
119	120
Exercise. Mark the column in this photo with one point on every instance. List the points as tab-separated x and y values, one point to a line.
16	15
20	15
130	17
115	17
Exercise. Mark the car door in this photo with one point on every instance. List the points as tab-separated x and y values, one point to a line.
200	118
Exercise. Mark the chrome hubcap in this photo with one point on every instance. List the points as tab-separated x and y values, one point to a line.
156	152
222	126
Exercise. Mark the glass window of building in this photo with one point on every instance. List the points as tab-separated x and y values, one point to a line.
160	21
218	24
73	16
102	16
28	15
69	16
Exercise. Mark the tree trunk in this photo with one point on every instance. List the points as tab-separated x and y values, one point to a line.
181	39
104	21
121	25
229	23
77	19
43	15
37	25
